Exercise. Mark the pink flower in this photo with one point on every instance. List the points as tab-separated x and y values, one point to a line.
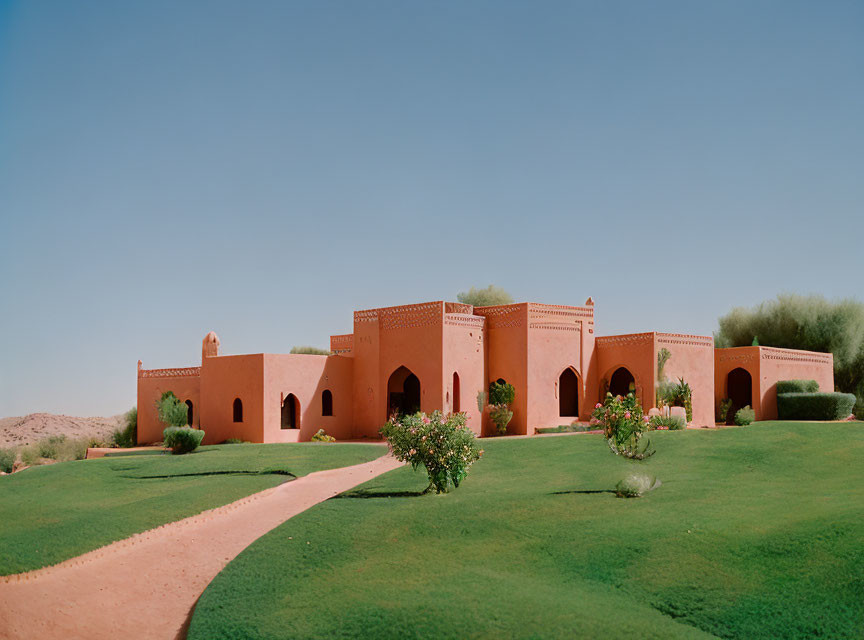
645	419
627	415
426	420
598	406
411	452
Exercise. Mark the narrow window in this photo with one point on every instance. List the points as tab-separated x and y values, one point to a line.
326	403
238	410
189	413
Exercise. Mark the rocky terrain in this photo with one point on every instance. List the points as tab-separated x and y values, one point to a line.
36	426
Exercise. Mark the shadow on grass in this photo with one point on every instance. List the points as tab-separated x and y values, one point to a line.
276	472
364	494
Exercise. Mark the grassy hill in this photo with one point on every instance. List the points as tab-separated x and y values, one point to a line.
756	532
52	513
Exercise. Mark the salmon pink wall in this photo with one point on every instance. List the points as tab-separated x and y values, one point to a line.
507	342
307	376
555	343
464	353
693	359
152	383
223	379
767	366
633	351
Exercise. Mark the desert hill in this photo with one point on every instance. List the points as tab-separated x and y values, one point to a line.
36	426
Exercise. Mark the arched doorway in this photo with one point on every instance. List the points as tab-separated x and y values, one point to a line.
622	382
403	392
568	393
739	389
290	412
190	413
457	394
238	410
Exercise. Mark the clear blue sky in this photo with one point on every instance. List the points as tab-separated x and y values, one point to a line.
263	168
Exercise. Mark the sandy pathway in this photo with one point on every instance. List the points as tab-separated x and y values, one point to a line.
147	585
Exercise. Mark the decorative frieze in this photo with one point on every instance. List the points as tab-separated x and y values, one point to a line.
628	339
461	320
556	326
686	339
184	372
790	355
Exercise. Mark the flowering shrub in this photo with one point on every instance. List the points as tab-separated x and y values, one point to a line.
623	426
440	443
321	436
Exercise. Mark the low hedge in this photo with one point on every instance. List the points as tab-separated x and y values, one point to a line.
797	386
814	406
182	439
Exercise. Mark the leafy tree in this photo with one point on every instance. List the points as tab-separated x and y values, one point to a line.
804	322
315	351
488	297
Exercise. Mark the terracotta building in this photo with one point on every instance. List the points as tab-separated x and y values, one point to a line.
443	355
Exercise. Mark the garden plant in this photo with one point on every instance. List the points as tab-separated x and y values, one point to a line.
624	426
439	443
501	397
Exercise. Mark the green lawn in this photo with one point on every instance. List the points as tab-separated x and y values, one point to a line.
55	512
756	532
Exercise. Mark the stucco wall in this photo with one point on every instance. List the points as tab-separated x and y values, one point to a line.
555	338
636	353
464	346
151	385
223	379
307	376
693	359
507	359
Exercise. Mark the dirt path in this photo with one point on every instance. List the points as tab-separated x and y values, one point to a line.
146	586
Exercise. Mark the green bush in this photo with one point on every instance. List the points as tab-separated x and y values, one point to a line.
440	443
30	456
814	406
636	485
7	460
723	410
858	411
235	441
182	439
797	386
128	435
673	423
75	449
50	447
172	412
501	393
744	416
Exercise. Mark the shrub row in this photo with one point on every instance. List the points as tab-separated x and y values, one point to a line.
814	406
797	386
